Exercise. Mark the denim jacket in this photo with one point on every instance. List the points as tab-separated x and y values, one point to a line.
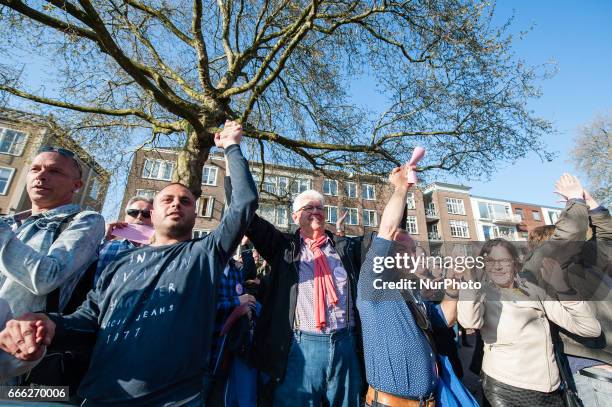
32	265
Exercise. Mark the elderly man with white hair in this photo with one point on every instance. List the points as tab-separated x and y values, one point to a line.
306	339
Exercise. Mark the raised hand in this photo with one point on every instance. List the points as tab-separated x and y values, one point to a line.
231	134
399	177
569	187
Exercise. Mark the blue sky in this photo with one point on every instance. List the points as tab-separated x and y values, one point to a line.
578	37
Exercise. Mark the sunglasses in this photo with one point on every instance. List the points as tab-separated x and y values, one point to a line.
135	212
64	152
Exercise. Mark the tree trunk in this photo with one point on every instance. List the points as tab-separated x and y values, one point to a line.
191	159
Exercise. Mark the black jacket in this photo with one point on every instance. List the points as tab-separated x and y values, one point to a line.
278	291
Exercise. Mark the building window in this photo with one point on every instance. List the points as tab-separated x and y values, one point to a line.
483	208
411	225
459	228
519	213
209	175
368	192
487	232
505	232
283	185
352	218
536	215
281	216
95	189
350	189
272	184
369	218
553	217
266	211
455	206
299	185
198	233
146	193
331	214
12	141
410	201
158	169
6	175
330	187
205	206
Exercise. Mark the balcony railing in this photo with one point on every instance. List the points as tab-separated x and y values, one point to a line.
434	236
431	212
497	218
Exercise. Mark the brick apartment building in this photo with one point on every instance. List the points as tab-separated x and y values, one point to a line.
363	197
531	216
21	136
437	213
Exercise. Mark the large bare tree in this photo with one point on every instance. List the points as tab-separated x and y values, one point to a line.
290	71
592	156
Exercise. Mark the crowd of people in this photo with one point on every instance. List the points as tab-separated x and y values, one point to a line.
253	316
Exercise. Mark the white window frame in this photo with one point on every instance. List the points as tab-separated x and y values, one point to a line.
282	187
533	213
8	180
94	191
459	225
328	210
520	212
329	183
272	216
277	211
510	229
410	202
364	189
146	193
455	206
347	185
349	217
157	176
3	131
411	225
209	207
368	223
200	233
297	183
207	181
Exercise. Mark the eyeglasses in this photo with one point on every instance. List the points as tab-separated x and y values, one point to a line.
310	208
503	262
66	153
146	213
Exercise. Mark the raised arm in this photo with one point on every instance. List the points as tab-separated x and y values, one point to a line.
264	236
394	210
243	203
41	273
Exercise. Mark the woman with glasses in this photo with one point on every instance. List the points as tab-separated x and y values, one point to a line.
513	316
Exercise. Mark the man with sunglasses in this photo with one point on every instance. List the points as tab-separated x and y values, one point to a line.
46	250
137	212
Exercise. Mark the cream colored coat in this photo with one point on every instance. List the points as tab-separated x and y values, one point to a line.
518	347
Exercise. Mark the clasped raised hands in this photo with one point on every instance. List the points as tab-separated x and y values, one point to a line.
231	134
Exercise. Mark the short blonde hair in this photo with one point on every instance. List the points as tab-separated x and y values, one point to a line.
308	195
